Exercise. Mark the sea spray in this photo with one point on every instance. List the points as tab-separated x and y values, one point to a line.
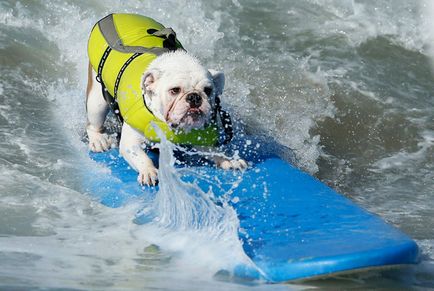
200	228
427	27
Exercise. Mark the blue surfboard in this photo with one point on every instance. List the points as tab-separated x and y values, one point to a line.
293	226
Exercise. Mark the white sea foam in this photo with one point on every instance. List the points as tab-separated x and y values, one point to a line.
405	23
427	10
19	17
403	159
339	8
65	228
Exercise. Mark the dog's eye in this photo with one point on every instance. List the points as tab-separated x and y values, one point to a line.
175	91
207	90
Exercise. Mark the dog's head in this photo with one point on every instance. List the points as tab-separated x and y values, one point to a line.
180	91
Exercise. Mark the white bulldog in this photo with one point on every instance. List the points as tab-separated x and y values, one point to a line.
179	91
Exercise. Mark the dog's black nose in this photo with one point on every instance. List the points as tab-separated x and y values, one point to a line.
194	99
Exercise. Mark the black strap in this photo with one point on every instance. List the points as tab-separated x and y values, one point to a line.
107	97
225	120
121	72
114	106
101	64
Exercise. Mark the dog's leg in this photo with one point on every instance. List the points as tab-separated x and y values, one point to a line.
130	148
97	109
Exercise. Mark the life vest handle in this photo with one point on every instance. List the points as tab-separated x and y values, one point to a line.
111	36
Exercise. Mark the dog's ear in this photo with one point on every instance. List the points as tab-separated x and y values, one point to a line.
148	80
219	81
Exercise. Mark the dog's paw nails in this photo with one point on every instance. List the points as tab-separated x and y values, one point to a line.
239	164
233	164
100	142
148	177
98	147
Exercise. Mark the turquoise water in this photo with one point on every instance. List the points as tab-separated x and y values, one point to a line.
347	85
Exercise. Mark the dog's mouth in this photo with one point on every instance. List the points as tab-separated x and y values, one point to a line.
194	113
193	117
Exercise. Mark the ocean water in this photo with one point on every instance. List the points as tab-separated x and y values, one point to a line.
346	86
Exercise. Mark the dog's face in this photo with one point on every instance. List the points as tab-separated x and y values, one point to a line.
180	91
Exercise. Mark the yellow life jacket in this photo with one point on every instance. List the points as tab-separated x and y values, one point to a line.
120	48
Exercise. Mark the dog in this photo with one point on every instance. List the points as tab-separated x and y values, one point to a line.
179	91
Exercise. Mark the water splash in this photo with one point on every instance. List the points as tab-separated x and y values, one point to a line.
199	227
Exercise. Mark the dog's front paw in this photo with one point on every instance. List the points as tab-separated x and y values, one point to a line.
236	164
148	177
99	141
